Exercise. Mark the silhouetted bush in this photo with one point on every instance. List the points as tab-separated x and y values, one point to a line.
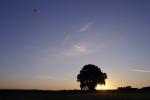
145	89
127	89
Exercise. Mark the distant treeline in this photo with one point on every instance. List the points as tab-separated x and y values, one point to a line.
129	88
119	89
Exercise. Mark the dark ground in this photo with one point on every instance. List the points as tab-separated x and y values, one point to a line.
72	95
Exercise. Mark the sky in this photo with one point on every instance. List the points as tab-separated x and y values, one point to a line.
45	43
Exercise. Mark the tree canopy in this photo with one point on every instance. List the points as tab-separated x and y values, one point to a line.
89	76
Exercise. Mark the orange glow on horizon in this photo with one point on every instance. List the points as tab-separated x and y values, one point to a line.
107	86
102	87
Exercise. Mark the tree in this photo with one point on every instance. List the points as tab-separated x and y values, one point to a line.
89	76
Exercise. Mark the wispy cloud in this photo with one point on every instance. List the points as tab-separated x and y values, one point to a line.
46	77
76	49
67	37
142	71
80	48
86	27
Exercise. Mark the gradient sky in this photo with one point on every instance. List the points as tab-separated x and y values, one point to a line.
46	48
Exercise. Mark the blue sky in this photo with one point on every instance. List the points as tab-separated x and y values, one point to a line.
46	49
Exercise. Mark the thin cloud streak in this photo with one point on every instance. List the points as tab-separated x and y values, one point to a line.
47	77
142	71
82	29
68	37
80	48
86	27
77	50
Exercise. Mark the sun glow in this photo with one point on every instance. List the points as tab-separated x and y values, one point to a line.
109	85
102	87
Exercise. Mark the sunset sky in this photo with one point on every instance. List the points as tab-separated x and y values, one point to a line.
45	43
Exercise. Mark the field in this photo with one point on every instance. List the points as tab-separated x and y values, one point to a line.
71	95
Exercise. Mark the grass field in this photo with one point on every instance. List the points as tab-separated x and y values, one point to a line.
72	95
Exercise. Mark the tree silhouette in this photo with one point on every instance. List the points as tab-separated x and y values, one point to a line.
89	76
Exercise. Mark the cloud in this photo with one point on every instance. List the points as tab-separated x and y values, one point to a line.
46	77
86	27
67	37
82	29
80	48
76	50
142	71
